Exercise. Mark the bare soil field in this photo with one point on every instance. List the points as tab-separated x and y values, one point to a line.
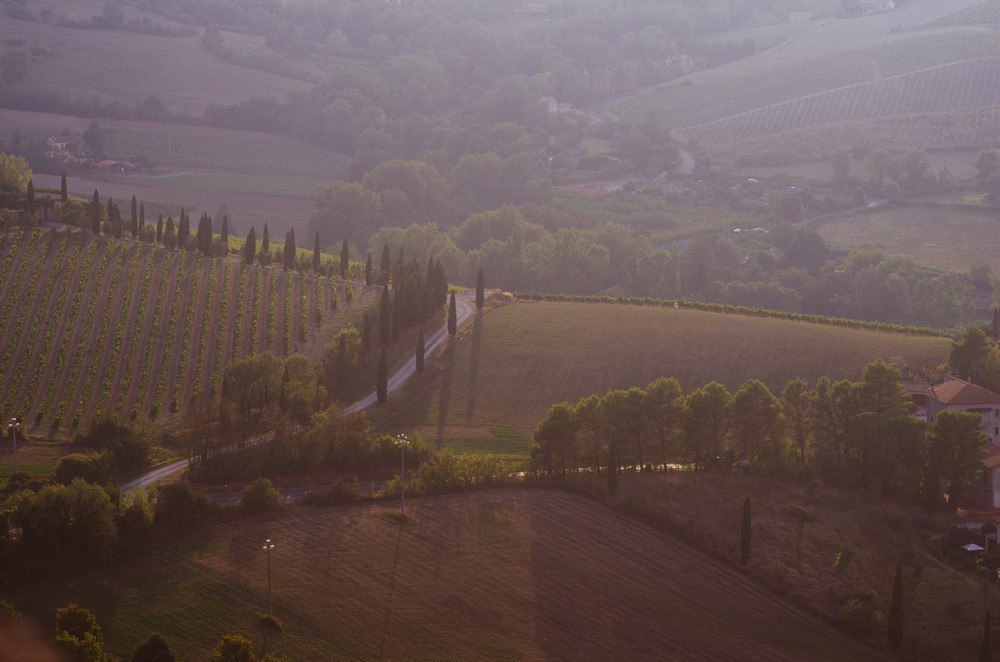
509	574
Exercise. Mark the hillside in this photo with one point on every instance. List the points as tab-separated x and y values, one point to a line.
492	575
515	361
123	326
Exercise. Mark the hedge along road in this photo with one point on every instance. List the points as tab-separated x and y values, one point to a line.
464	308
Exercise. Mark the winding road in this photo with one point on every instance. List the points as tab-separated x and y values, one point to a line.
464	307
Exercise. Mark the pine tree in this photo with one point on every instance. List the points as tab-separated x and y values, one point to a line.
344	256
368	270
480	292
452	316
384	265
159	228
745	535
420	350
95	214
384	318
250	246
63	191
265	243
30	195
224	234
316	257
896	609
986	643
134	218
382	378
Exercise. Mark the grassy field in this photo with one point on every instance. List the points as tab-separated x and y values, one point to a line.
515	574
515	361
942	238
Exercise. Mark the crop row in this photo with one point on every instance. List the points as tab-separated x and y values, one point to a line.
120	328
947	88
258	290
203	334
188	324
289	282
137	331
18	289
236	349
220	344
158	400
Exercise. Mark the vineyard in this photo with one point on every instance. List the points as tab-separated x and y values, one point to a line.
987	13
97	325
947	88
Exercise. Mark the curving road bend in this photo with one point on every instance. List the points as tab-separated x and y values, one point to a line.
464	308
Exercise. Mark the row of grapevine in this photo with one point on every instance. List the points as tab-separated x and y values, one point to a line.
122	379
960	86
120	325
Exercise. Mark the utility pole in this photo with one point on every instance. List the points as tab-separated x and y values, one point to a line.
12	426
402	442
268	546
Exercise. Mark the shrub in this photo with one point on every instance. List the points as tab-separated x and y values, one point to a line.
179	506
90	467
861	614
154	649
260	495
233	648
844	558
334	496
72	522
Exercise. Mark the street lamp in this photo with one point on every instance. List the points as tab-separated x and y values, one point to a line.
268	546
12	426
402	441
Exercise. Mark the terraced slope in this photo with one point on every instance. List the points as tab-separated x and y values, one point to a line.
105	325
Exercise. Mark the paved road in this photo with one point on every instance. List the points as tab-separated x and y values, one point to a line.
464	307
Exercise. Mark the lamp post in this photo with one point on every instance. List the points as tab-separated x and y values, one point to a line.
268	546
12	426
402	441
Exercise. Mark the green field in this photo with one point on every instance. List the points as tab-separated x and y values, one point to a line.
939	237
498	575
511	364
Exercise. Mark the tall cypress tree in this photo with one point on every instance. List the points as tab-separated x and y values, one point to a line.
183	229
384	318
170	235
896	609
397	314
366	334
142	217
63	191
265	242
480	291
250	246
986	643
745	534
95	214
368	270
224	234
290	251
134	218
382	378
344	256
159	228
385	265
452	316
420	350
316	258
29	195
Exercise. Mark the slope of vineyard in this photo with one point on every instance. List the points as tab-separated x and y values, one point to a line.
987	13
960	86
103	325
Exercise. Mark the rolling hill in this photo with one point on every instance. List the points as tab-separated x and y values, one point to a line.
513	362
524	574
129	327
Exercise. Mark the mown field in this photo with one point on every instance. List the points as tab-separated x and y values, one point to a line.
510	574
946	238
106	325
513	362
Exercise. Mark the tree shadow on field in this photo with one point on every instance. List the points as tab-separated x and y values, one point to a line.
477	338
448	358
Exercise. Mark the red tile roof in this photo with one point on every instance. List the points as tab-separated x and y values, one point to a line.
954	391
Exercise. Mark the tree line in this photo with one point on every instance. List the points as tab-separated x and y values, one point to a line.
858	434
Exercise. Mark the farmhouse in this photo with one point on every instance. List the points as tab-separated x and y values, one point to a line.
66	149
957	395
868	7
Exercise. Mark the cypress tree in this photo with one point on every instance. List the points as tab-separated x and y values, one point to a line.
397	314
986	643
134	218
250	246
384	266
745	536
397	271
224	233
896	609
290	249
95	214
384	318
170	235
344	256
265	243
480	292
427	296
368	270
183	229
63	191
30	195
142	217
420	350
452	316
366	334
316	258
159	228
382	378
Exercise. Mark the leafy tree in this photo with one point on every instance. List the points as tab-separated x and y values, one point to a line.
880	392
260	495
154	649
345	209
956	451
78	634
344	259
368	270
452	316
250	400
14	173
706	421
795	403
896	609
968	352
480	294
71	522
382	378
421	185
746	533
233	648
555	437
420	351
756	420
841	159
250	246
180	507
664	407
